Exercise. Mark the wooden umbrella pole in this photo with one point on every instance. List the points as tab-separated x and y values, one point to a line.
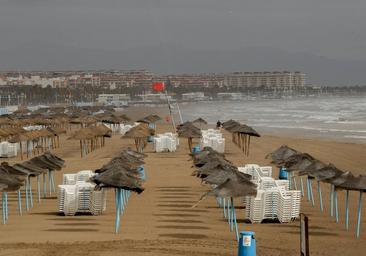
190	144
248	145
245	144
136	145
27	149
347	212
81	148
359	215
21	150
242	142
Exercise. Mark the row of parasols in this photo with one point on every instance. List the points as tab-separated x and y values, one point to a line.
33	142
124	173
64	118
17	176
225	180
241	133
301	164
73	117
93	137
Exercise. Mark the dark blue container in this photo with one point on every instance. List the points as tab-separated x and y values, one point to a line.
150	138
247	245
141	170
196	149
283	175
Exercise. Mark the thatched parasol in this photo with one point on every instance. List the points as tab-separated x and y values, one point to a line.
139	133
189	131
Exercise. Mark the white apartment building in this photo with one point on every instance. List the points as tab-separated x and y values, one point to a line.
114	99
229	96
283	79
155	97
194	96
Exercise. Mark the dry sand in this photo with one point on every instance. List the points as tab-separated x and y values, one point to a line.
161	221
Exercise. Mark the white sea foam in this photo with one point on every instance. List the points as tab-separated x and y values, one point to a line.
339	116
355	137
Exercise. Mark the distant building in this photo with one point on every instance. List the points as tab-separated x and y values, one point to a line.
4	111
229	96
155	97
194	96
276	79
114	99
2	81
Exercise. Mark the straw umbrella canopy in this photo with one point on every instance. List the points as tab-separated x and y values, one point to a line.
212	163
298	162
9	182
122	160
356	184
313	168
149	119
243	133
102	130
231	126
57	131
117	177
229	123
199	120
123	177
84	121
5	121
226	182
139	133
22	111
189	131
84	135
112	118
7	131
19	138
282	153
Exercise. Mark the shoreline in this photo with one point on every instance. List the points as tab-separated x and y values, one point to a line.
302	133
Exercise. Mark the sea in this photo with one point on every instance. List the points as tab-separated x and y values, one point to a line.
334	118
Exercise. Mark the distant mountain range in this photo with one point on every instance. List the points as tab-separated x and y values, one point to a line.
175	59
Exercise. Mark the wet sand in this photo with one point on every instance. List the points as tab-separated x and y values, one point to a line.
161	221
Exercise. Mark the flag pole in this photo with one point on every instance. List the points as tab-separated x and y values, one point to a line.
159	87
170	111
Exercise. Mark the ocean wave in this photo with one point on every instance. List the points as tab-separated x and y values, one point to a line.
345	122
310	128
355	137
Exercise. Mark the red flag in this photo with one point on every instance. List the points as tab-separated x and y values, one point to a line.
158	86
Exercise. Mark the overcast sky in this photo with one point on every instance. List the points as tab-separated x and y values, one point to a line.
334	29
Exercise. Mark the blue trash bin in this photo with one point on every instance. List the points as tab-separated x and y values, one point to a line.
150	138
247	246
283	175
141	170
196	149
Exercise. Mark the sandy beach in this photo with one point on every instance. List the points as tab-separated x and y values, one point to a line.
160	221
